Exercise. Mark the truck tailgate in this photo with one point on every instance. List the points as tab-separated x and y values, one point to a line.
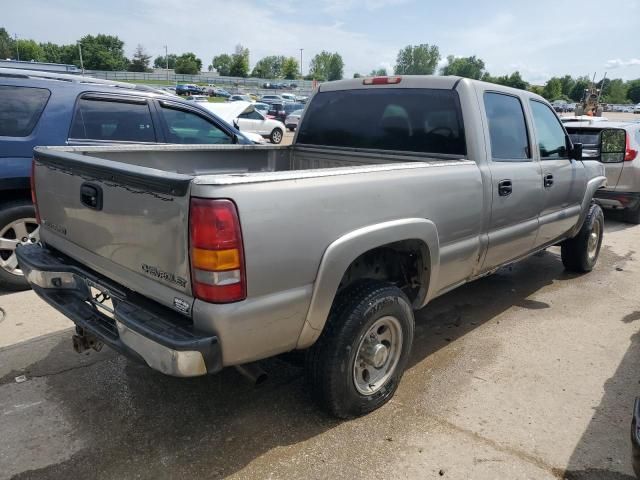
125	221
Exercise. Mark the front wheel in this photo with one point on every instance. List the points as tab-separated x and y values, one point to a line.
580	253
276	136
17	227
357	363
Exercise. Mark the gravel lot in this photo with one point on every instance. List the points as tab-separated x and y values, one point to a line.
527	374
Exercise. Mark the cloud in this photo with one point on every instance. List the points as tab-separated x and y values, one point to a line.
618	63
341	6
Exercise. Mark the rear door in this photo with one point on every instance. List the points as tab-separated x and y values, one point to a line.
516	180
563	179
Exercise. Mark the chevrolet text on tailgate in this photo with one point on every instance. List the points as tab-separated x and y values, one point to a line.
395	191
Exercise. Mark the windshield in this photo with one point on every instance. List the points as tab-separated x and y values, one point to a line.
401	119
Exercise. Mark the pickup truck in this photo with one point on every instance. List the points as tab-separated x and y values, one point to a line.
396	190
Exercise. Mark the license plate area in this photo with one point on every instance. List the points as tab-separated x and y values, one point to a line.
100	297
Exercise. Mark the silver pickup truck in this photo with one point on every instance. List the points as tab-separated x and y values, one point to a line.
395	191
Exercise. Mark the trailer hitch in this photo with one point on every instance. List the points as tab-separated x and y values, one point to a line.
83	341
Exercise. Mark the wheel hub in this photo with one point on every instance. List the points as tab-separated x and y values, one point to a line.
23	231
376	354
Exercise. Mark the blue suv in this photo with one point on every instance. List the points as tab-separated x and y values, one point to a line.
38	108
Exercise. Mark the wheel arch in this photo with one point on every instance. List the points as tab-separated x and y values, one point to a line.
343	252
592	185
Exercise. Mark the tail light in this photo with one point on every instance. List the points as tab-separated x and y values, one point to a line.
629	153
217	257
34	199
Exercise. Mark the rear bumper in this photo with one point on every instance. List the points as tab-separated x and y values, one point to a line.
613	199
137	327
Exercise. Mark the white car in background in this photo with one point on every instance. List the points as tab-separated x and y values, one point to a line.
292	120
247	119
636	109
288	97
198	98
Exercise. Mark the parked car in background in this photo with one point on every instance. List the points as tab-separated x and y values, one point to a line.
271	99
292	120
636	109
39	108
239	98
622	191
288	97
392	195
198	98
277	111
263	108
247	119
189	89
302	99
219	92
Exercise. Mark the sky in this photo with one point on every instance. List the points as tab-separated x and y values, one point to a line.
541	39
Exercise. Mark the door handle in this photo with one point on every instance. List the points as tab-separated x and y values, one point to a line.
548	180
505	188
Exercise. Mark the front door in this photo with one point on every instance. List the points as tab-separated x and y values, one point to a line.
251	122
516	181
563	179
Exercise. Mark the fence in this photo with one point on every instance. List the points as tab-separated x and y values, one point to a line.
234	84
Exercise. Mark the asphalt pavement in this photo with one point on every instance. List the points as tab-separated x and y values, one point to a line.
527	374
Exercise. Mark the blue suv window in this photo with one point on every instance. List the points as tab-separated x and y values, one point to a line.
115	121
20	109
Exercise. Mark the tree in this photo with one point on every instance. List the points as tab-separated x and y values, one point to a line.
188	64
567	85
615	91
514	80
269	67
222	64
468	67
634	91
6	44
103	52
140	60
51	52
29	50
161	61
552	89
290	68
417	60
326	66
381	72
579	86
240	62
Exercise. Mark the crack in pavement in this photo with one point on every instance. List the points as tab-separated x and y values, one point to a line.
524	456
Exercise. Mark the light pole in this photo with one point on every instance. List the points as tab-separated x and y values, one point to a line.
301	61
166	58
15	35
80	51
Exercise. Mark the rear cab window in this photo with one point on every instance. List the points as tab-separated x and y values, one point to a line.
507	128
112	120
397	119
20	109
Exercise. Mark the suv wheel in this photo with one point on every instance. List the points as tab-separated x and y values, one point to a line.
276	136
357	363
17	227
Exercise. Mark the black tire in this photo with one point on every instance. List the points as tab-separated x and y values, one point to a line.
276	135
291	129
578	255
330	361
9	213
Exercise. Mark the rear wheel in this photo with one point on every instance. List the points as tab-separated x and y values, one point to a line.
632	215
357	363
580	253
18	226
276	136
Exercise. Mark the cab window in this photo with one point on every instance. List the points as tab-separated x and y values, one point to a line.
552	141
507	128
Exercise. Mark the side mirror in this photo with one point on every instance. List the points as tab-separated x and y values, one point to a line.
613	144
576	152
